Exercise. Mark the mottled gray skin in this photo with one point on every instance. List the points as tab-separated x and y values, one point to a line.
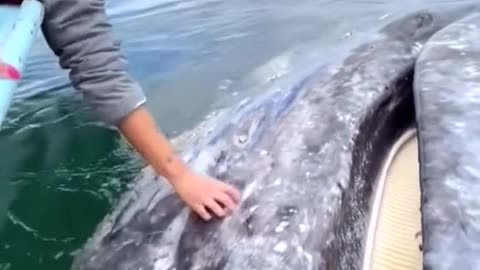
447	92
305	157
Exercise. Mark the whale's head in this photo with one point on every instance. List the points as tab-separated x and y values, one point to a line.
421	25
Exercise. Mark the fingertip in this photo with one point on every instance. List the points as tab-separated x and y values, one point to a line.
207	217
234	193
216	208
203	213
226	201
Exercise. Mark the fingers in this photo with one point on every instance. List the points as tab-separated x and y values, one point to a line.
221	199
202	212
232	192
215	205
215	208
225	200
211	204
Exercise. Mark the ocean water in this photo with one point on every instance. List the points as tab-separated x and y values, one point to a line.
62	170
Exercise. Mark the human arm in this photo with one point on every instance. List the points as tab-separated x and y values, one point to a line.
200	193
79	34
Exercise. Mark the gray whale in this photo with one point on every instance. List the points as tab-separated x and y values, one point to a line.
305	158
449	130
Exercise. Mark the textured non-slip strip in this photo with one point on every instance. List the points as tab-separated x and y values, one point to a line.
393	240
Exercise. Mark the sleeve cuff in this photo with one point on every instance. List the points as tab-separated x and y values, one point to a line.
116	108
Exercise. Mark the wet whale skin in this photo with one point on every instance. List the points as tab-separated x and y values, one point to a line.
305	157
447	97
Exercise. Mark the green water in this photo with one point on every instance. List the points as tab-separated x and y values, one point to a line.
60	173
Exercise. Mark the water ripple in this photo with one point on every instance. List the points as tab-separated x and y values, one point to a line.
16	221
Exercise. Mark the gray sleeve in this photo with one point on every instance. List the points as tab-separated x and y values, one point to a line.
79	34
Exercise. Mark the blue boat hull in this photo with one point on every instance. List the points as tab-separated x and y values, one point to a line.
19	27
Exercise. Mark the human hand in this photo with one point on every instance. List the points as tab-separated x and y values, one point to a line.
205	195
202	194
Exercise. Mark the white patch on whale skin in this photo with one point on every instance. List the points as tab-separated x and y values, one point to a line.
281	247
248	191
417	48
458	46
205	159
166	252
303	228
281	227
